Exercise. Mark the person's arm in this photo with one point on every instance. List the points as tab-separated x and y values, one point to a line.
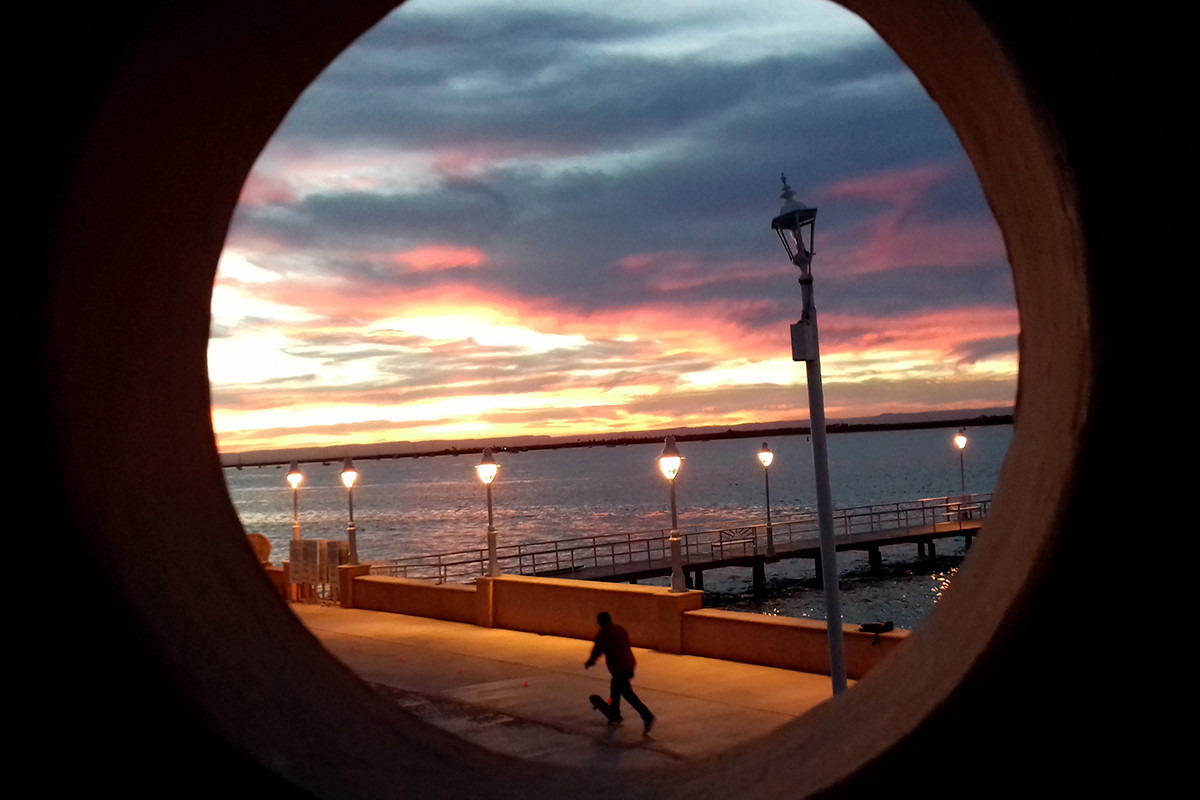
596	650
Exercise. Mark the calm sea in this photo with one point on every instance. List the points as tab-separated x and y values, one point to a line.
412	506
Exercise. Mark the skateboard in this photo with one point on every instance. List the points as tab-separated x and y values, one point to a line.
603	707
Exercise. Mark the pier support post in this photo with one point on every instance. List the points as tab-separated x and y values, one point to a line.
759	579
875	559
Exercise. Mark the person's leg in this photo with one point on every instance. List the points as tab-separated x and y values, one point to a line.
617	687
636	702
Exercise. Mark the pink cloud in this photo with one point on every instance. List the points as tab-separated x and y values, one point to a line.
439	256
890	245
900	236
947	332
902	188
261	189
429	258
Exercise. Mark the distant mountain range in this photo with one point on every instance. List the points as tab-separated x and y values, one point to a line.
927	419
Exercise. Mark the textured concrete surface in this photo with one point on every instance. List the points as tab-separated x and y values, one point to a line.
526	694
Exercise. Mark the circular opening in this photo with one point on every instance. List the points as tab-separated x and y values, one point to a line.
160	517
563	231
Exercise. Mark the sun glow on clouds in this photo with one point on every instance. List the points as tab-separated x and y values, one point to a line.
563	231
487	332
779	371
287	174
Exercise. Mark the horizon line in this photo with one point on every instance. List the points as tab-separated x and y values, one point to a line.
409	449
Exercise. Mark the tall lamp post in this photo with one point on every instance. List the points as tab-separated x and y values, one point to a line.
669	463
295	477
349	476
794	224
960	441
765	457
486	469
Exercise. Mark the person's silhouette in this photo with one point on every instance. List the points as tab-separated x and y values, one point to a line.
613	642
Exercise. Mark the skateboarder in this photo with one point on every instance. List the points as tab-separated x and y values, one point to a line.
613	642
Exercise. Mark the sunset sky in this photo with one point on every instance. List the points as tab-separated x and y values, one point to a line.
492	219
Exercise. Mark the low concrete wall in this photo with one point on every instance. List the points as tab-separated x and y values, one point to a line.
561	607
864	651
347	575
278	580
798	644
448	601
656	618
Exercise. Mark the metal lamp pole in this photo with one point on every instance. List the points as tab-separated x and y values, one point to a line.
349	476
765	457
669	463
486	469
294	477
797	219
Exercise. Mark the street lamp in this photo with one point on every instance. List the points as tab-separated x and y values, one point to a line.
794	224
486	469
669	462
294	477
960	441
349	476
765	457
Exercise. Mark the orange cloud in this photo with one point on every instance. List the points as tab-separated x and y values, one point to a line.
429	258
554	369
440	256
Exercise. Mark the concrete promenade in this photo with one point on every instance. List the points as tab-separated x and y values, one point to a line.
526	694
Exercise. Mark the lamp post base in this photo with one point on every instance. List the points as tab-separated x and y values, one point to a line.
678	581
493	561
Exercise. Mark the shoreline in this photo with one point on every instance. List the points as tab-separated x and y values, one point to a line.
394	450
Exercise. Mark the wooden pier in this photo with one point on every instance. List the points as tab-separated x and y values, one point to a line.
923	537
630	557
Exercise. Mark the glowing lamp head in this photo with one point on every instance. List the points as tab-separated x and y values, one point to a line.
960	438
670	460
349	474
765	456
487	467
295	476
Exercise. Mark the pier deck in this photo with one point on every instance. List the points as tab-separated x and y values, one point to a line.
645	554
924	537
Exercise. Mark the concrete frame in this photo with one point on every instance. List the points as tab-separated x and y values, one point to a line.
139	122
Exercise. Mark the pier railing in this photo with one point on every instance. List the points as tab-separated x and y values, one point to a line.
622	553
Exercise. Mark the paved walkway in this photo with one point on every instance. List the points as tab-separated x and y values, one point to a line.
526	695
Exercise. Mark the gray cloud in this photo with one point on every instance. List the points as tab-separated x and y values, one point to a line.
584	152
979	349
909	290
550	84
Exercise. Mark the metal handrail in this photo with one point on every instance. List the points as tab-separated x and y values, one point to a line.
737	539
